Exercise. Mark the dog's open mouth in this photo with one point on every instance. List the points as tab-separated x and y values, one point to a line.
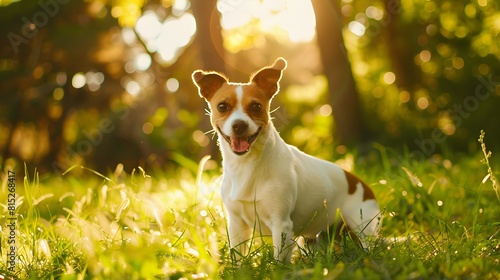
240	145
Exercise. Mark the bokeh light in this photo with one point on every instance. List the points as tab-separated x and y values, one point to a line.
389	78
142	61
78	80
357	28
423	103
272	16
165	37
147	128
325	110
133	87
172	85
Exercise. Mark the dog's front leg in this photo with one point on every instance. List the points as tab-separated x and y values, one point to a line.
282	231
239	234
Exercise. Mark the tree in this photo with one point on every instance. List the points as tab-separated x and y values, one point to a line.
209	36
343	95
210	46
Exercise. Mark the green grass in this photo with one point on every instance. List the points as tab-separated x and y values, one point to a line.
83	225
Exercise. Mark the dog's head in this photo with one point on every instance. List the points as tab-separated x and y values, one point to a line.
239	112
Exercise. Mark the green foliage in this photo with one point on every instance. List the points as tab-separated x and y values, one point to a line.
422	68
440	222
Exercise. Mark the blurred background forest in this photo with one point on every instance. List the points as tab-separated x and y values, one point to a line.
102	82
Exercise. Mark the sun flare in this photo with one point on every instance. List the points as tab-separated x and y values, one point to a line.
269	17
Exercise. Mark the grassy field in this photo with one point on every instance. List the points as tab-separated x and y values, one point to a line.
445	213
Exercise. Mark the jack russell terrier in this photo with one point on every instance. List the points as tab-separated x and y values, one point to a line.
268	186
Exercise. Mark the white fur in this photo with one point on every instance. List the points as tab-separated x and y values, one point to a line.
286	191
275	189
239	93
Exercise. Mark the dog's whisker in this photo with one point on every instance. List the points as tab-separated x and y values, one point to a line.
277	108
210	131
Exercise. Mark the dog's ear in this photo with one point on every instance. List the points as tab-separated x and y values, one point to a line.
208	82
268	77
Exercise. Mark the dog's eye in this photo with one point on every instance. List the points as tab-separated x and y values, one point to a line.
256	107
222	107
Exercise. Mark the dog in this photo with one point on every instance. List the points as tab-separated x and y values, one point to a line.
268	186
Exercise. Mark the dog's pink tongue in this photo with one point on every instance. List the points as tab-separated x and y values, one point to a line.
239	144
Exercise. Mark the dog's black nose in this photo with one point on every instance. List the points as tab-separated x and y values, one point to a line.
239	127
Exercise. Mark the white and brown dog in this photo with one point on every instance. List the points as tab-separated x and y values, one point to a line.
268	186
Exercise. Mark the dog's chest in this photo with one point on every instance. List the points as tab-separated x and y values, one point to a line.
249	198
244	181
251	214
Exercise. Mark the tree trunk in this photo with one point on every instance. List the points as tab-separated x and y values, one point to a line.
208	35
399	47
343	95
211	52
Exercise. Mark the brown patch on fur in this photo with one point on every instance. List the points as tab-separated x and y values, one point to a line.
208	82
268	78
352	182
227	95
253	94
